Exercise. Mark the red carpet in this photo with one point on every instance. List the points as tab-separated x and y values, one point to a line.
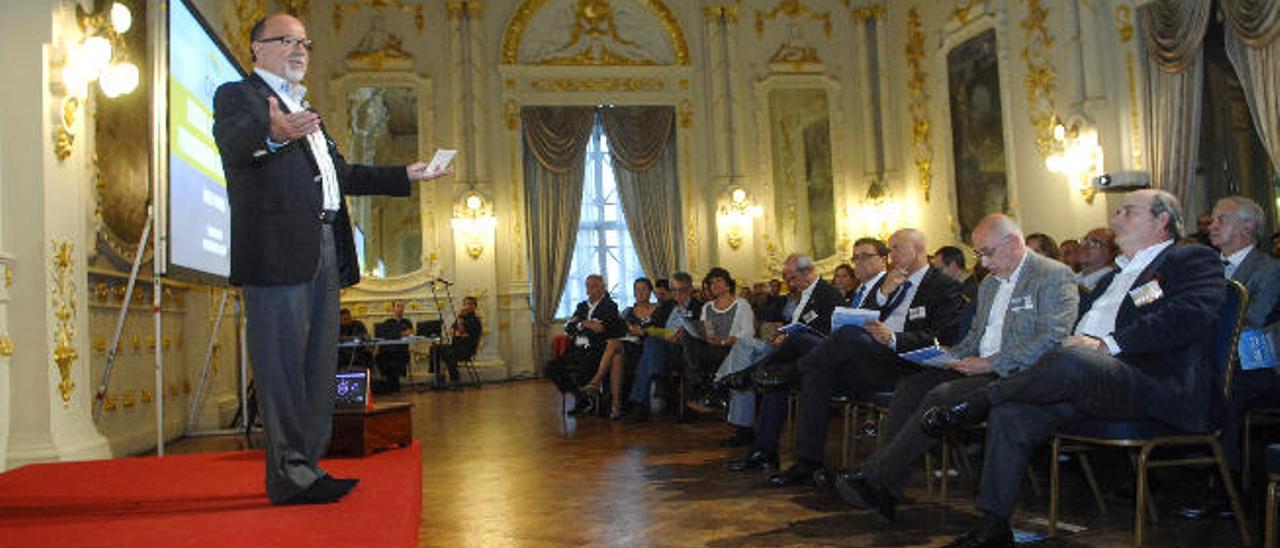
209	499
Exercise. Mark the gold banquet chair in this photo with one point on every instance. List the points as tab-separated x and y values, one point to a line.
1144	436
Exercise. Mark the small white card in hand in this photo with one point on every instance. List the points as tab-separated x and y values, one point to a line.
441	160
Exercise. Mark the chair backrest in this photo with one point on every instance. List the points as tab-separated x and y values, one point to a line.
1227	334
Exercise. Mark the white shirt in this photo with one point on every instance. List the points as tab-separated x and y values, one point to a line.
1100	320
865	288
897	319
994	333
804	300
1233	261
294	98
1091	279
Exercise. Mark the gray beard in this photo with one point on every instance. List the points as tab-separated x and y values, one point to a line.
294	76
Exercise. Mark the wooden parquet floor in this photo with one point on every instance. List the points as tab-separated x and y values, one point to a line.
503	467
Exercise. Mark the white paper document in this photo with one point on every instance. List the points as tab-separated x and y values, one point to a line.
441	160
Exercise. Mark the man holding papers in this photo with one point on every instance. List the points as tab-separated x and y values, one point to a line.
918	306
1025	307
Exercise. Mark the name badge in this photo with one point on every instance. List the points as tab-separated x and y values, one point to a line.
688	313
581	341
1019	304
916	313
1146	293
809	317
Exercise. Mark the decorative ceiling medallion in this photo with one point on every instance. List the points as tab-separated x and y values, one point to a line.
595	38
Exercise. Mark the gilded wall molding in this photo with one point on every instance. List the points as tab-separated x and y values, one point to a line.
237	30
341	9
792	9
524	14
297	8
728	12
62	296
917	86
1124	26
597	84
454	9
1040	79
866	13
6	347
960	14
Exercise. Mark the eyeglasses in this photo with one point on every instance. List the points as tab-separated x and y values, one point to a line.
289	42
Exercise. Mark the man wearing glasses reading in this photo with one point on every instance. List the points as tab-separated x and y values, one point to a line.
291	249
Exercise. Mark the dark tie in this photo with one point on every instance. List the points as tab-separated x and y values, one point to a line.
895	300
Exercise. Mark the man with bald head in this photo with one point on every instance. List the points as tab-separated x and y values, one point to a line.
1025	307
292	249
918	306
1141	351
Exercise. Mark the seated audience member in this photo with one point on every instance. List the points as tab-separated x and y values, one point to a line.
626	349
1070	250
352	329
845	280
1024	308
1127	360
662	290
765	305
393	359
726	319
950	260
1236	230
593	323
1044	245
869	264
661	349
1201	235
1097	257
465	333
919	307
815	299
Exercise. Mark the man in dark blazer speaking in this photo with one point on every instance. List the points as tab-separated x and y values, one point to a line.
292	249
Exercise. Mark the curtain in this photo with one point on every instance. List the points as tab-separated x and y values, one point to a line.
1257	64
1173	31
642	145
555	145
1257	22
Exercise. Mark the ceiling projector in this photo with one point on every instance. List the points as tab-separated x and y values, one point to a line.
1122	180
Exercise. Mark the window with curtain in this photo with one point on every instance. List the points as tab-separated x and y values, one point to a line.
604	245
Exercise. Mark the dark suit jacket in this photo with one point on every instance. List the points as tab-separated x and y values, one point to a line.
693	312
817	312
606	312
1260	274
933	313
1170	339
276	197
469	343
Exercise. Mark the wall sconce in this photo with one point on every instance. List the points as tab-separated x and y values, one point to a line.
98	57
473	220
1078	156
878	210
737	214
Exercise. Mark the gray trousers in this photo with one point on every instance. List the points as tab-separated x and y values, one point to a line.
293	337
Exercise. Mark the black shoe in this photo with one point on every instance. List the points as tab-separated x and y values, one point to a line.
775	376
582	404
800	473
741	437
740	380
754	460
824	479
860	493
324	490
941	420
638	413
985	539
345	483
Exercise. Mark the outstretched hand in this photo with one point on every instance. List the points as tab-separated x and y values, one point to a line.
418	172
287	126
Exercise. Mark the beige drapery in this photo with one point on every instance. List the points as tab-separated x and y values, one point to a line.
1250	39
1173	32
555	144
642	145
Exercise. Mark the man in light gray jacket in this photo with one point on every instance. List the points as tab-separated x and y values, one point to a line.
1025	307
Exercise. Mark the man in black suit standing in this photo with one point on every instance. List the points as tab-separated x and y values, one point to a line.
593	323
291	249
919	306
393	359
1139	352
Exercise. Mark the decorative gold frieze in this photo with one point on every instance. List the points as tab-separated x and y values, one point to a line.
455	8
598	84
129	399
237	30
8	275
684	114
341	9
1124	23
392	52
109	403
917	85
1039	81
728	13
6	347
867	13
792	9
63	300
524	14
147	395
511	114
297	8
99	345
960	14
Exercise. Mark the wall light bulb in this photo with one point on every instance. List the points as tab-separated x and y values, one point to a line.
121	18
95	53
474	202
738	196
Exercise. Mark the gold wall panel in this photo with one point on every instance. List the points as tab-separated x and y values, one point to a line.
523	14
917	86
792	9
63	298
1040	80
597	84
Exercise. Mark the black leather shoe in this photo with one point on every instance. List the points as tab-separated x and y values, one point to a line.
740	380
754	460
775	376
583	404
985	539
741	437
860	493
800	473
824	479
324	490
345	483
941	420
